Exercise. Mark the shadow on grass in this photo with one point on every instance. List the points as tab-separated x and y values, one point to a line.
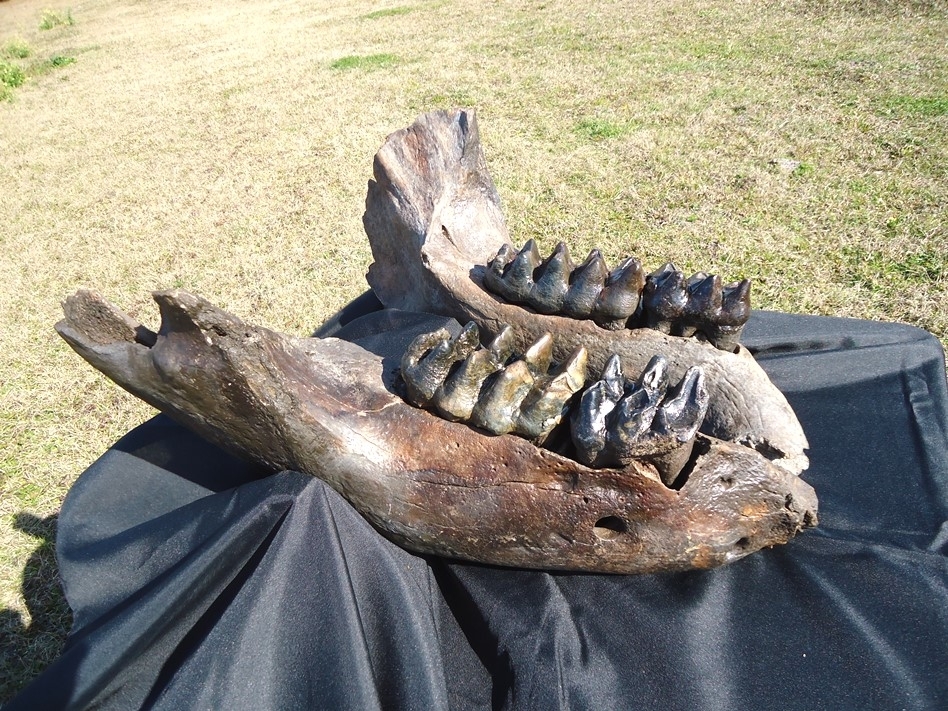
25	650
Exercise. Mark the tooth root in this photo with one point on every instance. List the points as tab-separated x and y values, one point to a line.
684	409
588	422
539	355
496	410
543	408
552	282
458	395
704	299
503	345
654	379
620	298
586	282
664	298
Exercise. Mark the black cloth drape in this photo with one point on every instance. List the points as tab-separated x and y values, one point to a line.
200	582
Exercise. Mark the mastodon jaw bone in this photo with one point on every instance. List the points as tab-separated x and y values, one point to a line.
329	408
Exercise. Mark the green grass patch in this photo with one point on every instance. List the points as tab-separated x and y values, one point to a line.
11	75
366	62
882	272
388	12
927	106
52	18
598	129
47	65
16	49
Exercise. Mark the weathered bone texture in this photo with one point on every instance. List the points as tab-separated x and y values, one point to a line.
434	221
328	407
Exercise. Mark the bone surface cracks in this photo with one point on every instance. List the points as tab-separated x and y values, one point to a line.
624	297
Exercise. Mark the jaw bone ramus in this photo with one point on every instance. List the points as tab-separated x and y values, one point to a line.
649	492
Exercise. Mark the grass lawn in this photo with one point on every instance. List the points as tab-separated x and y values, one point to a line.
224	147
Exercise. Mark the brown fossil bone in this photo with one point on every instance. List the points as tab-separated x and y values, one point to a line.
329	408
434	221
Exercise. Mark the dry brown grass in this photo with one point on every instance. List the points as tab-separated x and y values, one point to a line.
224	147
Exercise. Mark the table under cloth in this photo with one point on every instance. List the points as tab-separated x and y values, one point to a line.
199	581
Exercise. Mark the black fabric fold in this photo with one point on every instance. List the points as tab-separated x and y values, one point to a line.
198	581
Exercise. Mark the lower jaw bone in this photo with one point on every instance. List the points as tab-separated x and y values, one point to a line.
330	409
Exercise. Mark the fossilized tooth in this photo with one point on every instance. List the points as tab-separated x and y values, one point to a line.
735	310
433	218
524	396
516	282
620	298
644	421
552	281
586	283
329	408
664	298
545	405
427	363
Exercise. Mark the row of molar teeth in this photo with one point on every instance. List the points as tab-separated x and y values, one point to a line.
699	304
624	297
556	286
618	420
489	388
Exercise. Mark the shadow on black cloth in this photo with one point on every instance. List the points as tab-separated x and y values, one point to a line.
199	582
25	649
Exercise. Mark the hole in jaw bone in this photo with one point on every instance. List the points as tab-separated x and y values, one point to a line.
609	528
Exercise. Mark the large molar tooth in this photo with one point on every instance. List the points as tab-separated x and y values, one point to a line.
586	283
588	422
494	276
429	359
539	355
664	298
456	399
552	281
620	298
629	426
518	277
735	310
499	404
545	405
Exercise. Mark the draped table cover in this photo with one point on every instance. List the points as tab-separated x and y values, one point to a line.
200	581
